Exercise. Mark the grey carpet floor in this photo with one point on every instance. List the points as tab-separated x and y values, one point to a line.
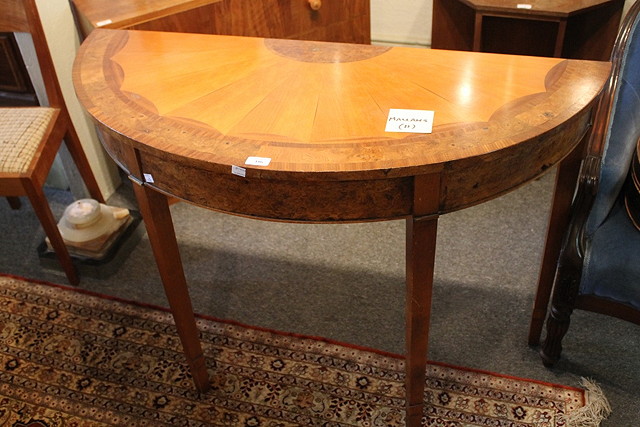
346	282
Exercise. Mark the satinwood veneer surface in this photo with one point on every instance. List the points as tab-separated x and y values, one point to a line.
193	106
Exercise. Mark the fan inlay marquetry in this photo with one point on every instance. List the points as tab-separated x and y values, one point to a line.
310	106
245	86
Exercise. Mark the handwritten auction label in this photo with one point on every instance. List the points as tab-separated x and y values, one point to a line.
412	121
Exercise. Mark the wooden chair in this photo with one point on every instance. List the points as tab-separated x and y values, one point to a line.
598	268
31	136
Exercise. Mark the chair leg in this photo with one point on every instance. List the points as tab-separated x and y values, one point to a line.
47	220
559	219
564	296
14	202
80	159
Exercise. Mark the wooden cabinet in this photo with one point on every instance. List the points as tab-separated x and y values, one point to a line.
584	29
334	20
15	85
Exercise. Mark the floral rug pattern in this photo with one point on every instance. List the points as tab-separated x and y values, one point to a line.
69	358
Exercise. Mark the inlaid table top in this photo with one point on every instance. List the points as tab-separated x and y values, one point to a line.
318	111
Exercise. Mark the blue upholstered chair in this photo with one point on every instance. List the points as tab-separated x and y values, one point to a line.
599	265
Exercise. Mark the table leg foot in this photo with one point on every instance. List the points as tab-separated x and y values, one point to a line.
414	416
199	373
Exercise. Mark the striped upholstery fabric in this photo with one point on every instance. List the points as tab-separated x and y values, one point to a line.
632	189
21	131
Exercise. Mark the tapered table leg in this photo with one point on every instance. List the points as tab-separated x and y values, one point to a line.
154	207
421	248
421	233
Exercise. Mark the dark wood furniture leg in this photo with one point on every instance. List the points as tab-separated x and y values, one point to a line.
14	202
477	32
562	30
564	297
420	259
566	180
50	225
154	208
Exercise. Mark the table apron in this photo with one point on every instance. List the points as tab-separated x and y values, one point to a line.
294	201
462	183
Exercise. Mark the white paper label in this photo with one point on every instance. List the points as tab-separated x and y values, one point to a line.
237	170
412	121
148	178
103	23
524	6
257	161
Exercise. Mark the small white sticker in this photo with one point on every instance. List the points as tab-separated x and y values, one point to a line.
103	23
524	6
412	121
148	178
257	161
237	170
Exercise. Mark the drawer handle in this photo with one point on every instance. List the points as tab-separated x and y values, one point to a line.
315	4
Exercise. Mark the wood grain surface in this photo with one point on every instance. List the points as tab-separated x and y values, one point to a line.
123	13
199	104
329	20
581	29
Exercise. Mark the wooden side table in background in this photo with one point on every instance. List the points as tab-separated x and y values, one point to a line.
320	20
583	29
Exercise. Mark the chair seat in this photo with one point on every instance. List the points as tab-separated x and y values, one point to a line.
616	274
21	132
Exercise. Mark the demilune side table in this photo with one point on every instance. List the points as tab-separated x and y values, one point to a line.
297	131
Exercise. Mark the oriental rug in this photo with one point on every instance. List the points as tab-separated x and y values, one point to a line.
73	358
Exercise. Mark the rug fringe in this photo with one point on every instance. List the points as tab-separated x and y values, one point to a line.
595	410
